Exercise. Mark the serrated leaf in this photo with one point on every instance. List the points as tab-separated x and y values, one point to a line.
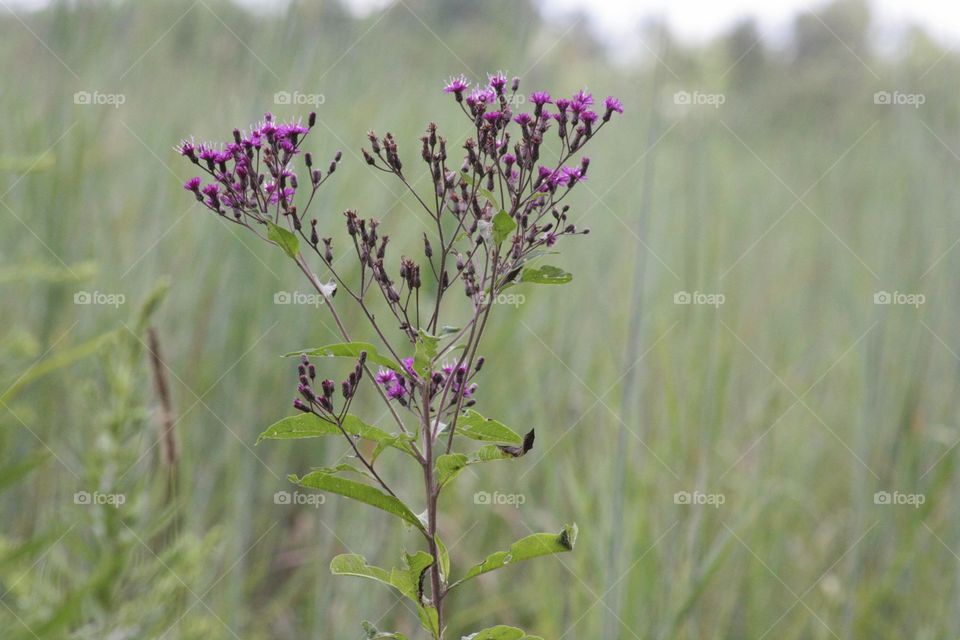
546	274
284	238
476	427
308	425
360	492
533	546
503	226
350	350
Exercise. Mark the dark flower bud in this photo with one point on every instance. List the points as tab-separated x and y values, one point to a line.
312	119
312	372
332	168
314	238
327	386
368	158
308	159
479	364
338	155
427	249
299	405
345	389
236	136
328	252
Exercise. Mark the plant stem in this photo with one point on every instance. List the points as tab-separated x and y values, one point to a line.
432	495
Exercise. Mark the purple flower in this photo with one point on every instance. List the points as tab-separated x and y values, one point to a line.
583	97
480	97
613	104
571	175
498	81
385	376
457	86
492	116
562	104
396	391
589	116
550	238
523	119
408	366
540	98
193	184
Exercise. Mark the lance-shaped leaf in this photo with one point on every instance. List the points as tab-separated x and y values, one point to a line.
503	226
352	564
350	350
545	275
425	353
284	239
474	426
308	425
449	465
533	546
501	632
360	492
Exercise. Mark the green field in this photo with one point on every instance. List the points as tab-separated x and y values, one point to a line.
786	189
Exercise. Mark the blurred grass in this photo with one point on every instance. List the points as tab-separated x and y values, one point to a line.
797	399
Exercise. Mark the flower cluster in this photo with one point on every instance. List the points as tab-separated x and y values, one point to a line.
321	404
252	177
450	378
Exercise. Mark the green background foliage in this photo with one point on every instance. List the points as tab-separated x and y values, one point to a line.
797	399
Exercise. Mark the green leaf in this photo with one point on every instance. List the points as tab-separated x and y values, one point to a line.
545	275
533	546
352	564
284	239
429	619
449	466
350	350
501	632
503	226
360	492
474	426
372	633
425	353
447	330
444	558
308	425
409	580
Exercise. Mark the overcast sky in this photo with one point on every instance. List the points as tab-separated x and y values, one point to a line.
700	19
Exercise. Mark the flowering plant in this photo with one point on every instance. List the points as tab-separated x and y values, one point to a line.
495	215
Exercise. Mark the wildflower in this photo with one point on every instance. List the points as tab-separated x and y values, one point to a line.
497	82
457	86
612	104
540	98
